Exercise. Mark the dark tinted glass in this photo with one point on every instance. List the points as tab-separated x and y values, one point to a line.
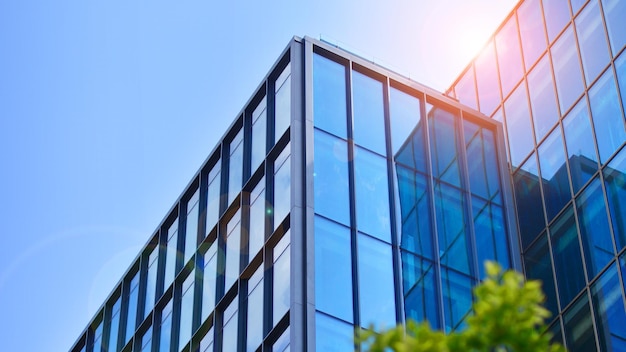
539	267
369	113
329	95
592	41
520	130
542	98
569	82
606	115
579	334
581	151
528	200
556	188
615	183
608	304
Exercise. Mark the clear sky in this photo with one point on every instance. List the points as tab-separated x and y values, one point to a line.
108	108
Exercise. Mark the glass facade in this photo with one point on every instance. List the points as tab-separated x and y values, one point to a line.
567	157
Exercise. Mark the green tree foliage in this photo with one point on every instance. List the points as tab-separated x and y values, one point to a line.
507	316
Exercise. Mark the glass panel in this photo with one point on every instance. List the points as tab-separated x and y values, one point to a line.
133	296
97	339
413	152
419	289
579	334
592	41
416	235
483	162
608	304
487	80
257	219
191	230
259	133
332	334
539	267
466	90
519	125
607	116
620	68
531	31
594	228
542	98
255	310
443	139
151	279
171	254
229	327
329	96
509	55
282	186
330	175
235	171
569	82
376	284
557	16
282	343
554	177
213	197
186	311
146	341
372	194
206	344
457	298
233	251
451	228
165	340
615	183
281	278
581	153
491	239
405	117
369	113
282	89
567	261
209	281
114	326
615	12
577	4
528	201
333	269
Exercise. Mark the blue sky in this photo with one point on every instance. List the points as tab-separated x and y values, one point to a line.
108	108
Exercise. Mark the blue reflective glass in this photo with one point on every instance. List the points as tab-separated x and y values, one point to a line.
330	177
329	96
519	126
419	289
191	229
457	298
539	267
608	304
254	319
412	153
528	201
282	187
333	269
482	161
509	55
213	197
487	80
465	89
376	287
114	326
165	332
614	14
369	113
581	154
258	211
594	228
151	281
567	260
282	113
332	334
133	297
186	311
230	327
171	254
206	344
415	209
235	168
146	341
281	278
557	15
233	251
554	177
569	81
592	41
282	342
209	281
451	227
372	194
579	335
490	234
97	339
531	31
615	183
442	127
607	116
620	68
404	117
542	98
577	4
258	136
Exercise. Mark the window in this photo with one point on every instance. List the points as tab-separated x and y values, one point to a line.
281	278
376	285
542	98
282	186
579	326
606	298
581	152
405	117
332	334
282	343
419	288
487	80
186	311
531	31
615	183
206	344
191	230
615	12
255	310
557	16
539	267
519	126
133	296
233	251
457	298
372	194
482	162
96	346
258	211
415	211
466	90
209	281
329	96
528	200
165	340
554	177
369	114
490	233
443	139
229	327
259	133
235	171
213	197
509	55
607	116
282	88
145	344
569	82
592	41
114	326
151	281
330	177
171	254
451	227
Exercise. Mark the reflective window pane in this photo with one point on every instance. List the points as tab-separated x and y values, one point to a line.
490	231
519	125
96	345
209	281
482	161
229	327
171	254
620	68
615	183
608	304
443	139
542	98
569	82
256	232
614	14
405	117
282	186
281	278
332	334
233	251
557	15
419	290
372	194
259	133
577	4
465	89
607	116
581	153
369	113
457	298
579	334
591	38
213	197
333	269
186	311
451	227
165	331
206	344
539	267
114	326
509	55
282	113
191	230
282	343
254	319
487	80
329	96
146	341
132	298
151	281
531	31
330	177
235	171
376	286
416	234
554	177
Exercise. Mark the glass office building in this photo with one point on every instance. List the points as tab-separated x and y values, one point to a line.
343	195
555	75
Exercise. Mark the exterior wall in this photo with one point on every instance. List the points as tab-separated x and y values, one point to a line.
554	74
